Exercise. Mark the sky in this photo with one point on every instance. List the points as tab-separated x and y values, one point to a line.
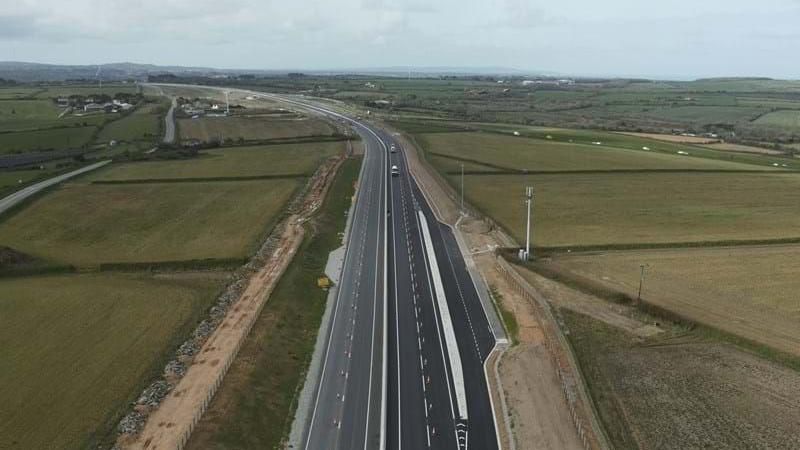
658	39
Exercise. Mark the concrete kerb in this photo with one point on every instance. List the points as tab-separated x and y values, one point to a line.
490	311
512	443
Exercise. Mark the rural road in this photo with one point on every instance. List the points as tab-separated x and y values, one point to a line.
169	123
403	365
12	200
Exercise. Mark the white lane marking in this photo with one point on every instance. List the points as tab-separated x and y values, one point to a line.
397	337
447	323
381	216
463	302
348	255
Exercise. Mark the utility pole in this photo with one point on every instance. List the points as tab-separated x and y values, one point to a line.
462	189
227	104
641	281
529	201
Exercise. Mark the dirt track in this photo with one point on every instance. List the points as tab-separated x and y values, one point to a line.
169	426
532	390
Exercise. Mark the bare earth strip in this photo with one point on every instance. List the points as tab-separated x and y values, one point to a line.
741	148
675	138
532	390
169	426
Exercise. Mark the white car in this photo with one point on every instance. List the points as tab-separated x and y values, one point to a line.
395	171
393	149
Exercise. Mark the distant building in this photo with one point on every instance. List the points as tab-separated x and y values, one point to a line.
89	107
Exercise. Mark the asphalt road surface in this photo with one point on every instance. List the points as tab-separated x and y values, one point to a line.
348	407
423	411
391	377
169	122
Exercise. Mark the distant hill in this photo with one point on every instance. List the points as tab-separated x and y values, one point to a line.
34	72
27	72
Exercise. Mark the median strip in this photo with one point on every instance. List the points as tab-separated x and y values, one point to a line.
447	323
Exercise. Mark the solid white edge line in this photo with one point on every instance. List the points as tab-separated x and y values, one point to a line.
348	254
397	331
381	214
385	274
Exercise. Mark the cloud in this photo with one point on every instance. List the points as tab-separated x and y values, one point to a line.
16	26
615	36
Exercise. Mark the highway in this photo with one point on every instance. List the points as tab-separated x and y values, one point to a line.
403	365
349	407
424	382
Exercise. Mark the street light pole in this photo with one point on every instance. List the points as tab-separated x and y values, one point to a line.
529	200
641	281
462	189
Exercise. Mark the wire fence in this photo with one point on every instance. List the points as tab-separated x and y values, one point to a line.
575	393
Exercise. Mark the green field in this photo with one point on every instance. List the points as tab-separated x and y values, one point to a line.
786	119
746	291
55	91
75	349
230	162
638	208
27	114
87	225
143	124
519	153
49	139
11	180
255	404
423	130
250	128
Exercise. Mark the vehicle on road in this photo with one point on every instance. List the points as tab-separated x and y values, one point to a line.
395	171
393	149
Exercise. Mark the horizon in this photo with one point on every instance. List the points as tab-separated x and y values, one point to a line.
623	38
414	71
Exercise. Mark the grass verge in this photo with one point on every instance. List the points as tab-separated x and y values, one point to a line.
254	406
509	319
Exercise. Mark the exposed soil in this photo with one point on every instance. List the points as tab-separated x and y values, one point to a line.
675	138
539	413
742	148
621	316
681	391
170	425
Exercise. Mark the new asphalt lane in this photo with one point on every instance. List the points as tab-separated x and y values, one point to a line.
386	377
347	408
416	375
421	385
